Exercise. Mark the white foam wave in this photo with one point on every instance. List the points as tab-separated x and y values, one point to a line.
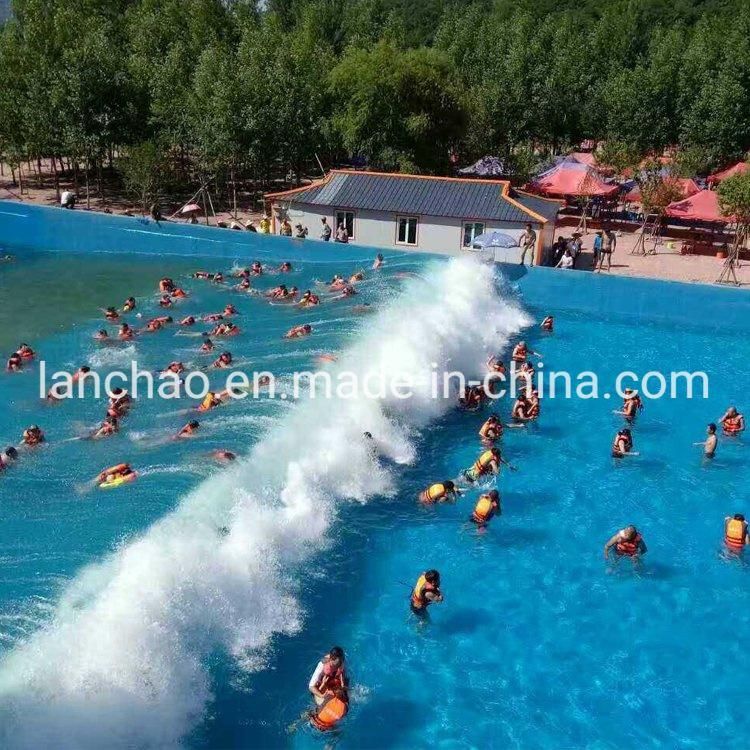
120	663
110	356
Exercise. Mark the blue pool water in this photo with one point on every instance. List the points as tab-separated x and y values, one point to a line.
127	619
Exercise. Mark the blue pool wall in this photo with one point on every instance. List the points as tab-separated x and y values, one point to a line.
640	300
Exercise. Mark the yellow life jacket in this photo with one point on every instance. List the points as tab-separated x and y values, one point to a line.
481	465
483	509
434	493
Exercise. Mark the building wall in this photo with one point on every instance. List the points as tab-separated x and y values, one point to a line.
378	229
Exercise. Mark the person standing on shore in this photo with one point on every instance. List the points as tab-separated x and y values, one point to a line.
325	231
527	241
610	243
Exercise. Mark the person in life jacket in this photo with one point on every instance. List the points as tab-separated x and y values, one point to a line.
488	505
223	361
491	430
441	492
207	345
225	329
14	363
426	591
25	352
710	443
735	532
218	278
627	542
256	269
125	333
54	394
230	309
165	301
8	457
732	422
224	456
111	314
119	403
175	367
32	436
472	398
622	445
329	675
359	276
113	472
488	462
210	401
179	293
101	335
129	305
189	429
520	412
308	299
108	427
188	321
548	324
285	267
631	404
166	285
333	709
521	352
298	331
534	405
278	292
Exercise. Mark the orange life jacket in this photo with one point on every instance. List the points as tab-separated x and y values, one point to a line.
629	547
735	533
520	353
732	425
208	402
433	493
329	714
484	509
482	464
418	598
616	445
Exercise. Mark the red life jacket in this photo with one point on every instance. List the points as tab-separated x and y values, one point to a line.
628	547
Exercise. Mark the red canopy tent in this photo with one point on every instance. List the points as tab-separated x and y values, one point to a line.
685	185
572	178
739	168
703	206
585	158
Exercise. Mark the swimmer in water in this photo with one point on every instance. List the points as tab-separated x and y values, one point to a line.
329	675
426	591
204	275
442	492
736	536
491	430
212	317
53	394
225	329
256	269
488	506
223	456
25	352
336	283
8	457
188	321
111	314
359	276
188	430
298	331
534	405
119	403
108	427
14	363
166	285
623	444
472	398
125	333
211	400
626	543
285	267
278	292
346	291
733	423
308	299
218	278
179	293
32	436
175	367
230	310
165	301
331	711
223	361
115	472
548	324
378	262
631	405
487	463
710	443
207	346
243	285
129	305
156	324
521	352
520	412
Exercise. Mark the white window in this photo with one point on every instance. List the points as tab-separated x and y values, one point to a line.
472	230
347	219
406	230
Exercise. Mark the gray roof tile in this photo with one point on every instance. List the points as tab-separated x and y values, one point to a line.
461	199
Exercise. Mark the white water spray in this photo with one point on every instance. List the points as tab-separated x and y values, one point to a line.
120	662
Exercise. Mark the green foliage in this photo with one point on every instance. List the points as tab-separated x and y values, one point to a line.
238	88
143	171
734	197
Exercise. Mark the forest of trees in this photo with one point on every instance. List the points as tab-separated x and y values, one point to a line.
165	92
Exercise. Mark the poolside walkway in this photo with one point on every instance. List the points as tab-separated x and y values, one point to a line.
667	264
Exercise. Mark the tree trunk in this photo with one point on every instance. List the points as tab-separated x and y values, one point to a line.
88	194
57	179
20	178
39	171
75	177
